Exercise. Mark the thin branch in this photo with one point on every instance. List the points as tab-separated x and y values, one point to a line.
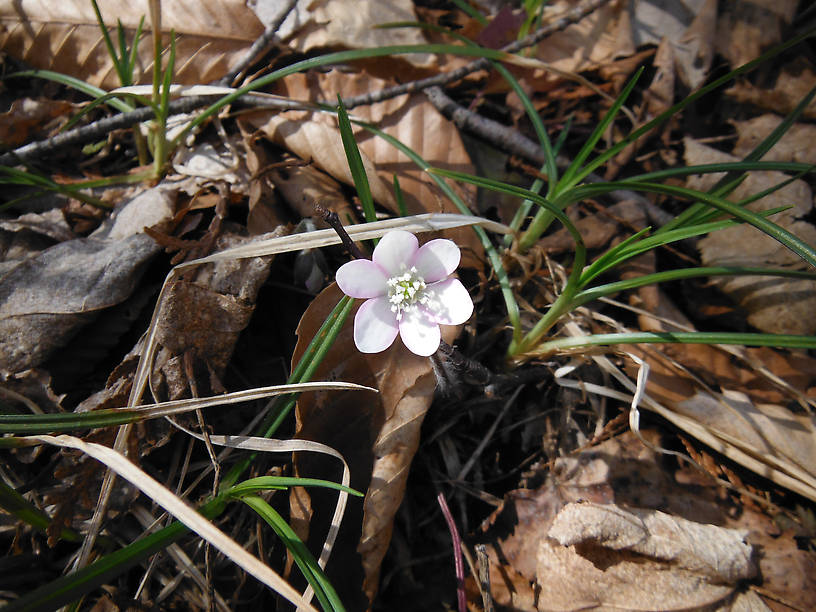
258	48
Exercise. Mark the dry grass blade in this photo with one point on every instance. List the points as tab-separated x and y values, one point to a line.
268	445
778	468
184	513
432	222
186	405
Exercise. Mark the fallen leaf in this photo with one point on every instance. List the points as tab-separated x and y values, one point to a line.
378	436
688	28
29	119
746	28
773	305
605	556
595	40
795	144
65	37
332	23
46	299
792	84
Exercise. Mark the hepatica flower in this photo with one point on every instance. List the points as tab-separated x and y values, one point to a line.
408	290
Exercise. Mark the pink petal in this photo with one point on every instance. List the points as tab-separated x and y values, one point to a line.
362	278
436	260
395	250
375	326
419	332
450	302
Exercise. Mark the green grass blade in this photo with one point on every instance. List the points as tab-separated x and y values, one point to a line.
573	173
324	591
134	50
470	11
733	338
738	166
781	235
594	293
264	483
17	505
355	162
637	244
117	61
403	210
74	83
717	83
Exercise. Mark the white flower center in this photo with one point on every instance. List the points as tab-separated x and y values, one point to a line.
406	290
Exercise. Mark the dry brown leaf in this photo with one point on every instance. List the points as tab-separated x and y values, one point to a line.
604	556
688	29
411	119
618	471
378	436
746	28
793	83
65	37
597	39
773	305
47	298
336	23
794	146
31	119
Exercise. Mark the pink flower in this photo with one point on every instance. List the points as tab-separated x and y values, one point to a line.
408	290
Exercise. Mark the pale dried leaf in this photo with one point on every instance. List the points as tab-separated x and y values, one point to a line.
716	553
773	305
795	144
335	23
47	298
793	83
65	37
638	560
746	28
688	27
597	39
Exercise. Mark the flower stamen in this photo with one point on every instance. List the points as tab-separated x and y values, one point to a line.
405	291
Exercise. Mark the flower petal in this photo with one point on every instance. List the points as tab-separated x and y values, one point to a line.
362	278
395	250
375	326
419	332
436	260
450	302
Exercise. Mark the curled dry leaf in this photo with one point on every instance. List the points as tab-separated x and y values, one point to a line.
605	556
622	473
46	299
378	435
64	37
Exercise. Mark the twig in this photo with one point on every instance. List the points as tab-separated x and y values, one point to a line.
484	577
573	16
459	566
259	47
330	217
